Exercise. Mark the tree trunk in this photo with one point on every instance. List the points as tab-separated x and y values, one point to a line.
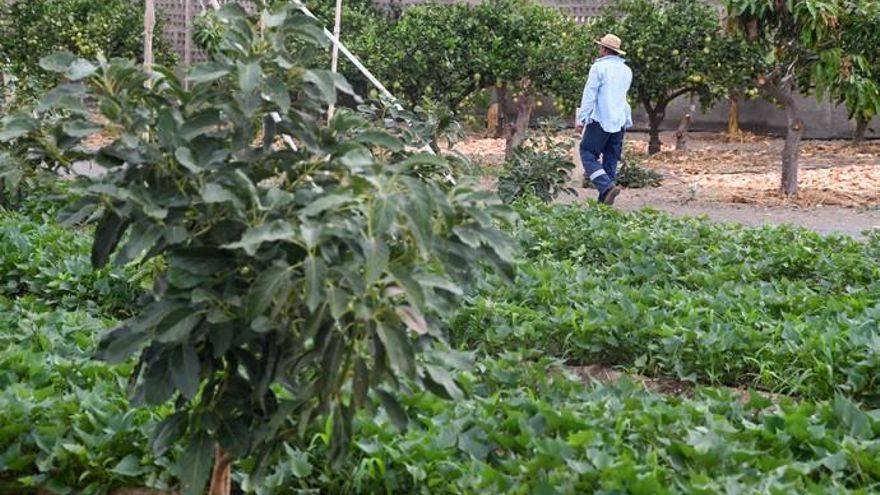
783	92
495	118
221	477
791	149
733	116
149	26
681	134
524	108
655	119
860	131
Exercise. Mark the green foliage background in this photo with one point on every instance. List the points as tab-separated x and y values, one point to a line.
33	29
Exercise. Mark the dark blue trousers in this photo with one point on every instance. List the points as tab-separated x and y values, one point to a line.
595	143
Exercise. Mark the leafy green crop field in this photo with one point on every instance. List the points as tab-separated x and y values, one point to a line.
778	309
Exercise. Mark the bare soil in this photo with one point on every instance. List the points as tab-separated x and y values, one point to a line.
737	180
667	386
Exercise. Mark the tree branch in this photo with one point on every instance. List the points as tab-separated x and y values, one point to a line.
781	91
680	92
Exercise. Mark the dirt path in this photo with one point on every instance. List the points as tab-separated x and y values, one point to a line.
822	219
737	182
667	386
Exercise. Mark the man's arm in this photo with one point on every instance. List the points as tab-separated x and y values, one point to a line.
590	96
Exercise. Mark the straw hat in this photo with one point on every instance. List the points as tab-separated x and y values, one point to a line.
611	42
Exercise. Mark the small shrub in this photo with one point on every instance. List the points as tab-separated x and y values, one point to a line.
633	175
540	167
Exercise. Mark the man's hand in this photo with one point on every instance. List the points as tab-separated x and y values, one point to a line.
579	128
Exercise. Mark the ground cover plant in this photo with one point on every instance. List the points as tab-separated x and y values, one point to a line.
65	419
525	427
782	309
521	425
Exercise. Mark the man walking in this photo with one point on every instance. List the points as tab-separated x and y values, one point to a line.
604	117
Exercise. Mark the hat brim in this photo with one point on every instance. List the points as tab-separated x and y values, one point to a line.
615	50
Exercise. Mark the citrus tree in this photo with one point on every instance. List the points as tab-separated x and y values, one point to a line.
535	51
674	48
738	64
799	40
433	52
446	53
302	278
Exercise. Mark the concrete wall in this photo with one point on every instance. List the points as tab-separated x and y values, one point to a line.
823	120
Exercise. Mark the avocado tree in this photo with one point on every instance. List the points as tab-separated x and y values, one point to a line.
851	69
796	37
673	49
301	280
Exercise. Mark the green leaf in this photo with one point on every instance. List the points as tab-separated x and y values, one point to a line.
201	123
249	76
424	159
398	347
81	128
441	377
394	409
119	344
382	212
360	382
253	238
71	66
276	92
213	192
299	463
185	157
17	126
207	72
382	139
143	237
266	288
323	82
273	19
314	269
107	236
856	421
356	158
324	203
377	255
129	467
167	432
473	442
185	369
194	467
177	327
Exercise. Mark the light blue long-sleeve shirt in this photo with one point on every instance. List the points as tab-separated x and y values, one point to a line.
604	99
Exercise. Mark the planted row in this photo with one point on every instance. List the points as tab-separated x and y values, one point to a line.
65	419
527	430
40	258
776	308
